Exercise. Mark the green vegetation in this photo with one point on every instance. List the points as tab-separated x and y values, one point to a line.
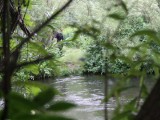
70	62
112	38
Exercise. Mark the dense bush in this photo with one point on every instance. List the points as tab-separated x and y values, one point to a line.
127	27
118	66
95	61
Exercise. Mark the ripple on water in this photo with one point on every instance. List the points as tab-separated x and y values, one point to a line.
88	94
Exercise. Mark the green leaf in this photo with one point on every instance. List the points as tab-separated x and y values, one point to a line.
27	17
32	90
125	88
38	47
122	116
116	16
35	84
32	68
26	3
124	112
130	105
124	6
61	106
155	58
44	97
141	81
53	117
27	20
40	117
156	70
24	116
116	91
17	102
144	91
18	37
131	53
108	46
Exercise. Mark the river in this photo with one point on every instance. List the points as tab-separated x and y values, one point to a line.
88	93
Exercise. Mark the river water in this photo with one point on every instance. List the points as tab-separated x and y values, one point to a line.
88	93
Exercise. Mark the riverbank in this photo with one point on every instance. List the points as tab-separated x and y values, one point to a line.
71	62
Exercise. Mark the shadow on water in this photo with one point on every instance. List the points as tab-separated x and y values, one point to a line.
88	93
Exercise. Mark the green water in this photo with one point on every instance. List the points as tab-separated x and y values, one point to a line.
88	93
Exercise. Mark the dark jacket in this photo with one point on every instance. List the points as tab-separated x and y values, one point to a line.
59	36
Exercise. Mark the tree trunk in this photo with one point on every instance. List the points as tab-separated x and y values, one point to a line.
150	110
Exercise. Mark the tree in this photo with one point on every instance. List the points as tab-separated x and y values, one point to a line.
150	108
10	13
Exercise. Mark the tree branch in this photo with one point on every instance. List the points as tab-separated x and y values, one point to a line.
34	61
43	25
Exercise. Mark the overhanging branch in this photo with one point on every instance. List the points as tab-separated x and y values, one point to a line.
44	24
34	61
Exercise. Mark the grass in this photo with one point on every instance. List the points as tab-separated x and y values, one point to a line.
71	63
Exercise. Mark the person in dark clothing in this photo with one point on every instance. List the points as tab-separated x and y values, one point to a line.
59	36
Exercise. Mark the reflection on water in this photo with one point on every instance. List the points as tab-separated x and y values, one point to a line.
88	93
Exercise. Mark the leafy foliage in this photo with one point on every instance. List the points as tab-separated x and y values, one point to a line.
24	54
38	105
95	61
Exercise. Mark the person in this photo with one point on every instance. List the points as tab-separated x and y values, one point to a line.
59	36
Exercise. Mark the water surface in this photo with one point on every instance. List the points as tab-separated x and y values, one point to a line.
88	93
